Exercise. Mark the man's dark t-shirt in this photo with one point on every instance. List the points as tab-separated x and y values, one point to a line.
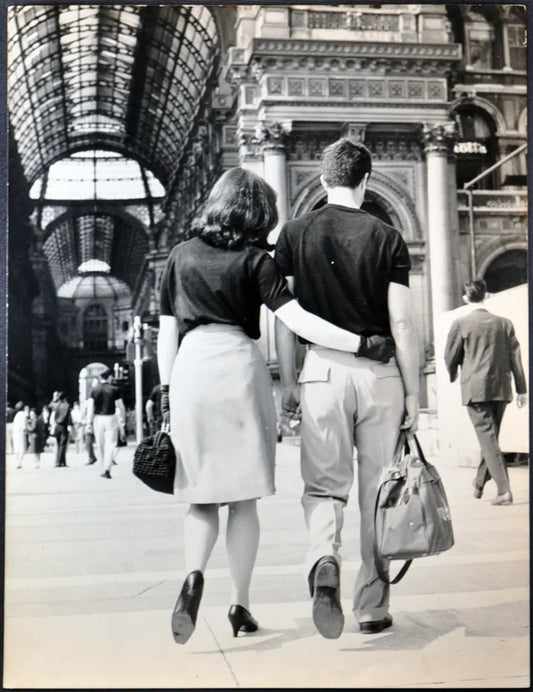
343	260
105	394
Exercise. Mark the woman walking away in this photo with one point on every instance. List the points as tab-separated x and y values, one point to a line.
217	386
36	436
20	431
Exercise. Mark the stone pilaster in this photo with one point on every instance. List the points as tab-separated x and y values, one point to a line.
438	141
273	139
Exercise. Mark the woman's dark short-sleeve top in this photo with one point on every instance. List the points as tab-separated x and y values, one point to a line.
202	284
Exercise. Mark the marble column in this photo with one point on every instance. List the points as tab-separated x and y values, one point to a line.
438	140
273	139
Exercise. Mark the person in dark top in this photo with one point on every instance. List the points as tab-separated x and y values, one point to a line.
352	269
153	410
37	434
10	415
103	403
61	424
215	384
486	349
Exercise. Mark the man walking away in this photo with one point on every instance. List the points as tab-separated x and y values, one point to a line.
352	269
103	402
487	350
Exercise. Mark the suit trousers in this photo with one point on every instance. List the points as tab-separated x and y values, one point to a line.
486	417
347	401
105	437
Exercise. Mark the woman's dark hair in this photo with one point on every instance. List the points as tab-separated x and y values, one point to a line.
345	162
240	210
475	290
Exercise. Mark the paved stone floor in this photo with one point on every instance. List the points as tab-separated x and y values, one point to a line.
93	568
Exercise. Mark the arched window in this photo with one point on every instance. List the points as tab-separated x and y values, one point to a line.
516	35
508	270
475	147
95	328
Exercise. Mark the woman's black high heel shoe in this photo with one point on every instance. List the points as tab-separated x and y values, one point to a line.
241	620
186	608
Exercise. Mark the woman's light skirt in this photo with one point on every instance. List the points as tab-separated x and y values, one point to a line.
222	417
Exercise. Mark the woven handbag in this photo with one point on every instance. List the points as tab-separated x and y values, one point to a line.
412	516
154	462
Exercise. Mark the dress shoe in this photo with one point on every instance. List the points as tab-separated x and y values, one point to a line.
241	620
327	610
503	499
90	462
478	492
376	626
105	474
186	609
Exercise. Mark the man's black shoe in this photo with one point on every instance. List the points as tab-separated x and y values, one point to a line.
376	626
327	610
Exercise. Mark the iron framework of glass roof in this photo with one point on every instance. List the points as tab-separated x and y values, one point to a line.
103	100
120	77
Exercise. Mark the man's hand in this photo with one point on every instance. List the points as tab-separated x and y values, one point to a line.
290	402
380	348
410	421
521	400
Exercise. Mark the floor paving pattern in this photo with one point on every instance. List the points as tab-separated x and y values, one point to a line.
94	566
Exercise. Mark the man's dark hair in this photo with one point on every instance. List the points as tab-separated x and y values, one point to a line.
345	163
61	396
105	374
240	210
475	290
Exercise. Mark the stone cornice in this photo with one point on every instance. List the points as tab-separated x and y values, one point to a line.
319	56
353	49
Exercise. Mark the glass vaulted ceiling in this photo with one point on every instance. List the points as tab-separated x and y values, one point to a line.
118	77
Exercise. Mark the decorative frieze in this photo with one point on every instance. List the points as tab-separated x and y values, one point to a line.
309	146
387	89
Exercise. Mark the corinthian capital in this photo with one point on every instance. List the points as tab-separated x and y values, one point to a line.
438	139
272	135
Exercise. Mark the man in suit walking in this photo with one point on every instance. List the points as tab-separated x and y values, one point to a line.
486	348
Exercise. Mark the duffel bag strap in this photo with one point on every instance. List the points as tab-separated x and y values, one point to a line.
378	560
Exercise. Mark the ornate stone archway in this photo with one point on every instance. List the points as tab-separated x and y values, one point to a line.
390	195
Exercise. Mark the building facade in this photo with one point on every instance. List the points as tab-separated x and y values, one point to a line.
437	92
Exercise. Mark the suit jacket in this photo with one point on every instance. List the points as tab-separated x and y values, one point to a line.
486	348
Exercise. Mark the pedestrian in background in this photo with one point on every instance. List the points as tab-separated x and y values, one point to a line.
77	427
61	425
20	431
10	415
153	410
104	401
37	434
486	349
